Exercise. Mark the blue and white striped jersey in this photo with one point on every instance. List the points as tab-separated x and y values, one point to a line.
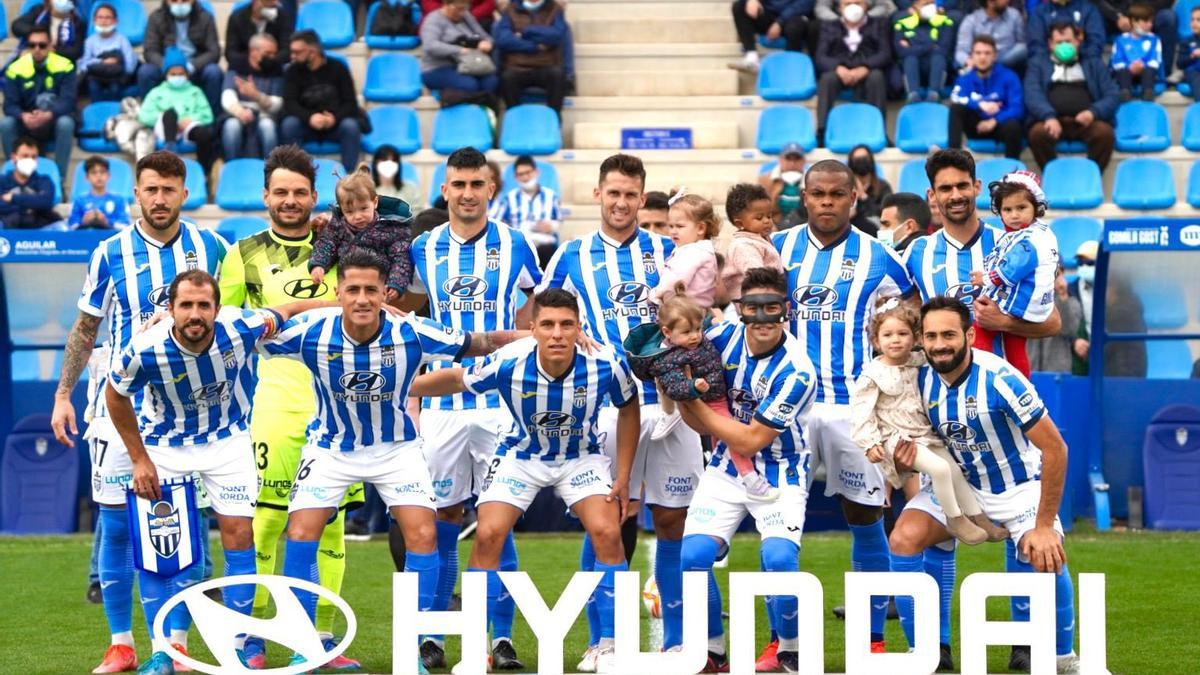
519	209
983	418
362	389
473	286
194	399
613	281
939	265
1022	268
833	294
554	418
776	389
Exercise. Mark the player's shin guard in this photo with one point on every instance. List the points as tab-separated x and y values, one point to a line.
239	598
269	525
1018	604
698	553
116	571
181	618
331	567
668	574
606	597
156	590
1064	611
768	605
300	562
494	588
904	603
426	567
587	561
869	552
506	607
940	564
781	555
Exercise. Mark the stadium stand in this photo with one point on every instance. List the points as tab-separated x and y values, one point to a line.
392	41
922	125
993	169
46	167
851	124
331	19
392	78
913	177
787	76
460	126
1073	183
239	227
396	125
1143	184
1193	186
120	181
235	175
530	129
547	175
91	131
1190	136
1071	231
39	480
197	185
779	125
328	172
1142	127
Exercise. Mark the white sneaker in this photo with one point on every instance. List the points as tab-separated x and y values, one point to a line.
747	64
588	663
722	563
757	487
665	425
1068	664
1175	77
606	660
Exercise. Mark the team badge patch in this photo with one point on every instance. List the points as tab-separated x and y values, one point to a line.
229	358
388	356
972	409
191	260
648	263
847	272
166	532
580	397
493	259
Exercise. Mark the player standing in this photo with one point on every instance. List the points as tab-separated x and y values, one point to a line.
472	271
127	282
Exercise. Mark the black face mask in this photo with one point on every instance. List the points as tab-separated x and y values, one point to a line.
862	166
271	66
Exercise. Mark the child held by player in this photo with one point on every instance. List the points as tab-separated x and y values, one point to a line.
886	409
1018	274
357	223
750	210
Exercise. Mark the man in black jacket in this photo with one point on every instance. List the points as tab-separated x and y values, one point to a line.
852	53
260	16
67	29
319	100
164	27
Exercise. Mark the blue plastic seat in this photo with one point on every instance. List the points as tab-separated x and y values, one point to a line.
1183	12
131	19
91	127
1164	303
1168	360
1193	187
236	228
120	179
987	146
396	125
991	169
393	42
28	5
197	185
1144	183
787	76
852	124
1142	127
461	126
1071	231
920	125
1071	147
547	176
1190	138
779	125
767	43
26	366
236	174
329	172
46	167
530	129
3	22
435	184
331	19
913	178
39	480
393	78
1072	183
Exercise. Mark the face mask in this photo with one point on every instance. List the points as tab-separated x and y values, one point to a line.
530	185
269	13
387	169
177	81
927	12
791	177
182	10
887	238
26	166
1087	273
862	166
63	6
853	13
1065	52
752	308
106	30
533	6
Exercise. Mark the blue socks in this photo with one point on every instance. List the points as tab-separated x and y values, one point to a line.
155	589
1018	605
300	562
669	576
940	564
587	561
904	603
447	548
1064	607
781	555
698	554
606	597
240	598
506	607
426	567
116	569
869	552
494	588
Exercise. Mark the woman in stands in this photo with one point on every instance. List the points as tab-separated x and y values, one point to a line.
389	179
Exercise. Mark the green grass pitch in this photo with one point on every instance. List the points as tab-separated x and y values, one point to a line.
1153	590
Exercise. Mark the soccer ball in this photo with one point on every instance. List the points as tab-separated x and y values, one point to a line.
651	599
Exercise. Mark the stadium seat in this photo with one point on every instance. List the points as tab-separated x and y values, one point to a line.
461	126
547	176
1168	360
28	5
767	43
1183	11
26	365
1071	148
329	172
396	125
1193	186
920	125
787	76
1071	231
1073	183
393	42
992	169
393	78
235	228
779	125
435	184
987	146
1142	127
46	167
1190	138
1144	183
197	185
120	181
3	22
852	124
39	480
131	20
913	177
1164	303
91	129
1171	468
530	129
27	306
236	174
331	19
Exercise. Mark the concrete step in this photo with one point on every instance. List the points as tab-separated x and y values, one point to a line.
705	135
660	29
636	9
652	56
721	82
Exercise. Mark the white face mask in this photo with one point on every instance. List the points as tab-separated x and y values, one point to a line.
887	237
26	166
387	169
181	11
1087	273
106	30
791	177
853	13
269	13
530	185
927	12
177	81
63	6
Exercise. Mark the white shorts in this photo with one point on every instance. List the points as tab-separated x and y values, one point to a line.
458	445
517	481
848	472
226	469
720	504
667	470
1016	509
397	470
112	469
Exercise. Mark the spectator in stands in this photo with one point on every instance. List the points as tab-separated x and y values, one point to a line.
1004	24
924	39
853	53
785	185
533	208
653	214
1189	56
260	17
872	189
393	19
987	101
829	10
178	110
389	180
27	197
108	63
320	101
98	209
774	19
1123	313
452	40
1079	13
529	38
905	218
39	98
1164	22
495	204
180	23
67	30
1069	96
253	102
1137	53
484	11
1056	353
1084	285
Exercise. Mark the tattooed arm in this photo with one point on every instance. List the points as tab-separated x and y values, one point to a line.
483	344
80	343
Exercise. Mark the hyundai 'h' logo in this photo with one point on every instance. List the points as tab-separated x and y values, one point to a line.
304	289
629	293
815	295
956	431
553	419
964	293
464	286
361	381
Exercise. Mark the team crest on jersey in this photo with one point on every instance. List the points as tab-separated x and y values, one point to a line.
580	397
165	529
493	259
847	272
191	260
229	358
388	356
972	408
648	263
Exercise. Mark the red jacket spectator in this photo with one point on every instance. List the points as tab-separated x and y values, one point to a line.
484	11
